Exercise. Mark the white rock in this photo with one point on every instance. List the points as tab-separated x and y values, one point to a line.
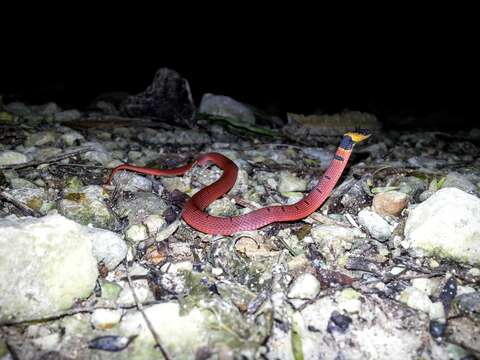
173	268
305	286
375	224
154	222
324	233
105	318
349	300
289	182
447	225
9	157
136	233
437	312
142	290
416	299
45	265
397	270
69	138
475	272
465	290
167	231
182	335
107	247
217	271
427	285
49	342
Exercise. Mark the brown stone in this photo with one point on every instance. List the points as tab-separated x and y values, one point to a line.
390	203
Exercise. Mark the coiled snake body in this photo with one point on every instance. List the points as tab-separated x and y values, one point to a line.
196	217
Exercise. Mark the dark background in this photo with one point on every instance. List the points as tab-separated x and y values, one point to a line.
427	74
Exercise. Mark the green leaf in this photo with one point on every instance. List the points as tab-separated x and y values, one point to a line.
296	340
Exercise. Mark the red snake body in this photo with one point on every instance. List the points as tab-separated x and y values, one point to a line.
196	217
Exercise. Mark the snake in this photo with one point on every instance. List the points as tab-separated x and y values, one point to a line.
194	212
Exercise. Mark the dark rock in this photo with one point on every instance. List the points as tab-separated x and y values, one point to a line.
168	99
448	293
437	329
338	322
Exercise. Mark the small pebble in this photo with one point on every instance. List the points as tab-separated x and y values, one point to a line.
305	286
390	203
136	233
338	322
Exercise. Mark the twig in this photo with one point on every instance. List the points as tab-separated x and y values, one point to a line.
21	206
147	320
49	160
83	166
317	216
79	310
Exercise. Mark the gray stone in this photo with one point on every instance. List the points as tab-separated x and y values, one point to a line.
46	152
226	106
129	181
333	240
375	224
34	197
139	206
87	206
71	137
99	155
49	108
168	98
18	108
67	115
41	138
9	157
459	181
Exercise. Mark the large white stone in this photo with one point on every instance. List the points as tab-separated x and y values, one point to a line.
448	225
45	265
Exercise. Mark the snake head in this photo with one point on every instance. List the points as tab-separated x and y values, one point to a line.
358	135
